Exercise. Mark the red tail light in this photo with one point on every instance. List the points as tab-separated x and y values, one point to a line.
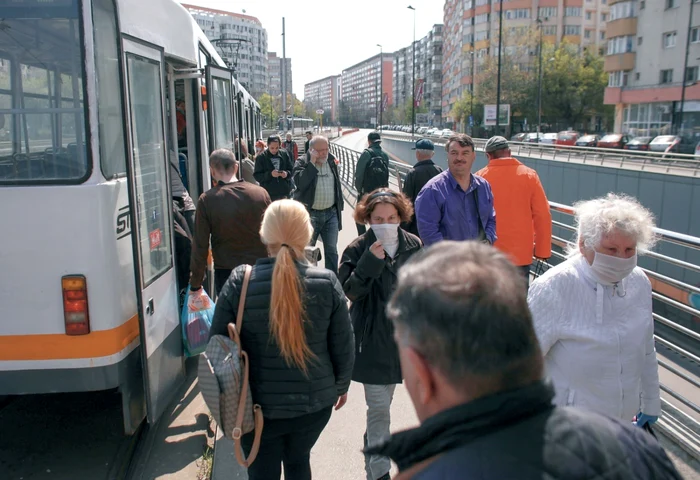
75	305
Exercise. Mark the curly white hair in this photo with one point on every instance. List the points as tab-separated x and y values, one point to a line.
601	216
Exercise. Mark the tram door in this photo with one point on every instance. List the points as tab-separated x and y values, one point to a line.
151	211
220	109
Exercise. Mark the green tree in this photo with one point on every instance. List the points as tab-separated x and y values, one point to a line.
269	107
466	105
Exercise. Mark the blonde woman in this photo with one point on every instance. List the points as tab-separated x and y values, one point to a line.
297	333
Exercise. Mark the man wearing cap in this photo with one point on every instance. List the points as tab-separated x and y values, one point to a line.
372	171
524	220
422	171
456	205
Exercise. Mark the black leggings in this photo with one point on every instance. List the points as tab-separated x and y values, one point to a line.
286	441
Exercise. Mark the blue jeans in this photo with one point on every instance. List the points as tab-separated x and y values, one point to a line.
325	224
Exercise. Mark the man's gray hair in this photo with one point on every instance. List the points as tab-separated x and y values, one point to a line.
613	213
316	139
222	159
425	153
462	306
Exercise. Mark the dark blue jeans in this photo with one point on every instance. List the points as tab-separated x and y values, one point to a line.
325	224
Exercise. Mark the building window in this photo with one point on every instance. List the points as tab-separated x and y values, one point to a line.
602	35
572	12
547	12
617	79
695	35
669	40
572	29
588	15
549	30
691	74
636	76
622	10
671	4
639	40
619	45
666	76
483	18
518	13
587	34
604	17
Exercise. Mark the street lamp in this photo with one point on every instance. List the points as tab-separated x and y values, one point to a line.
539	82
381	83
500	48
413	93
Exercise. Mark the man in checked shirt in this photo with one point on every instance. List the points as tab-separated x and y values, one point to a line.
318	188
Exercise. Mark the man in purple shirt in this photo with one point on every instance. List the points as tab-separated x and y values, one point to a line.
456	205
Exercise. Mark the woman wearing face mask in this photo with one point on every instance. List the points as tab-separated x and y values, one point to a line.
368	273
593	314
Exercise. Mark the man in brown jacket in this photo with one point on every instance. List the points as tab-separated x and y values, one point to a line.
230	213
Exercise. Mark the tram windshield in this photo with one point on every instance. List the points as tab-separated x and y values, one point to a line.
42	121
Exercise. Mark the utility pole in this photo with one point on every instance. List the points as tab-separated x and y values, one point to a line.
685	65
413	94
381	83
539	84
500	48
283	75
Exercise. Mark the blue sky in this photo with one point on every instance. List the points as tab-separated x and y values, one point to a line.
322	39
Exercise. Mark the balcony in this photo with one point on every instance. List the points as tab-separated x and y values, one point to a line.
622	61
622	26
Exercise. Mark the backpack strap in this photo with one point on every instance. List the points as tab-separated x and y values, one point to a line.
234	333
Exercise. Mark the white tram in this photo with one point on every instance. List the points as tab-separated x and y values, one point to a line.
88	297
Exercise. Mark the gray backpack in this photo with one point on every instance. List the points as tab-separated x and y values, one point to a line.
223	381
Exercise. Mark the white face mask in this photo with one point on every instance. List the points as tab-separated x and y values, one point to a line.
388	235
608	269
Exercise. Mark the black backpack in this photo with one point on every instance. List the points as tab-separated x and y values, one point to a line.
376	173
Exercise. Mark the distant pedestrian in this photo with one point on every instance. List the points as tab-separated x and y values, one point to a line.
247	163
291	147
456	205
524	226
473	369
368	272
372	170
260	147
228	216
318	188
273	169
593	314
298	337
309	136
423	170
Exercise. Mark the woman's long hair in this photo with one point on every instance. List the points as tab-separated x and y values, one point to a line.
286	229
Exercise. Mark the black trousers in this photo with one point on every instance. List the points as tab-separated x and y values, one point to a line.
220	277
288	442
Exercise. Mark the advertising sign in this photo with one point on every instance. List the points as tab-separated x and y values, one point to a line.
490	115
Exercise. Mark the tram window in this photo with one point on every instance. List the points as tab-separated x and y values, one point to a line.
41	95
109	93
150	166
221	99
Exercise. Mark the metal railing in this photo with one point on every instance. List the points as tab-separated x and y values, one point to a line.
685	164
678	343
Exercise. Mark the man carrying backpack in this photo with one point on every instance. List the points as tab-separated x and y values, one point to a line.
372	170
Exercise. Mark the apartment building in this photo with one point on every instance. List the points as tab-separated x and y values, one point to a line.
361	91
324	94
274	73
241	41
471	34
652	60
428	74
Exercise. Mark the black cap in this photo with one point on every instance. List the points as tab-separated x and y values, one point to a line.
374	136
424	144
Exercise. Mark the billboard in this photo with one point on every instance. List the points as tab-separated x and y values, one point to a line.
490	115
419	91
385	102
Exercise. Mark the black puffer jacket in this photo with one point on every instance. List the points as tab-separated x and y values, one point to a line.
520	435
369	282
284	391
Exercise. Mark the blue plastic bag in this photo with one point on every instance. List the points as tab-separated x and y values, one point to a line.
195	326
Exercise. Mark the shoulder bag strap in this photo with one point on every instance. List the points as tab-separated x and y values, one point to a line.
482	230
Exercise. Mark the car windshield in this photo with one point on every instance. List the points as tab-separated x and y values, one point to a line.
611	138
566	136
641	140
664	139
587	138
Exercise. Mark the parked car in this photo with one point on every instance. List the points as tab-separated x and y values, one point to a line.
567	138
588	141
673	144
447	133
549	139
518	137
639	143
533	137
614	140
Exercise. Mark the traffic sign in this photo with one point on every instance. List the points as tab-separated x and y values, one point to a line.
319	111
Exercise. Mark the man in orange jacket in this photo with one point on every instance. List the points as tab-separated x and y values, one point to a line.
524	222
